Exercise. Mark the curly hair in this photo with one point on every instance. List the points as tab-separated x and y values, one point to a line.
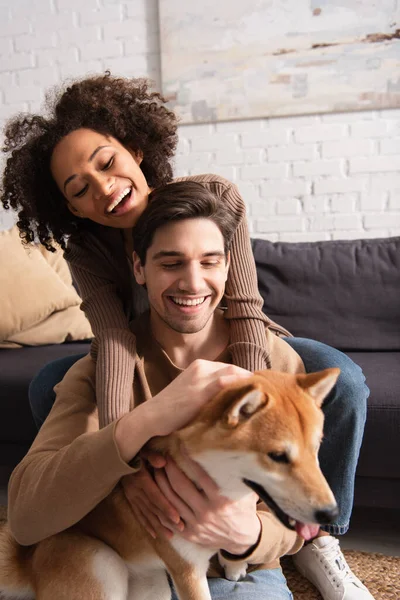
122	108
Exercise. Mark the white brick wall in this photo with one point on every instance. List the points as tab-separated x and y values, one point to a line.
303	178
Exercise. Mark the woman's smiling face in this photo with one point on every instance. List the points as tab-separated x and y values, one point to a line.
100	178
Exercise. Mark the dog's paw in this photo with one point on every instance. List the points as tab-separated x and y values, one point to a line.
233	570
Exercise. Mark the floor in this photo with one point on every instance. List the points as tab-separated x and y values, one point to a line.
371	530
374	531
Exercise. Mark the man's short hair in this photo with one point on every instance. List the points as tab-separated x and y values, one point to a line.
179	201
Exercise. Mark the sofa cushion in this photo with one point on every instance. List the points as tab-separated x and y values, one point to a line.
343	293
378	456
18	367
38	303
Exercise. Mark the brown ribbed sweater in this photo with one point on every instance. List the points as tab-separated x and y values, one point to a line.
111	298
72	465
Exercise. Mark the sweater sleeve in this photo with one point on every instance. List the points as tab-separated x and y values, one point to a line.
275	541
71	466
114	344
249	346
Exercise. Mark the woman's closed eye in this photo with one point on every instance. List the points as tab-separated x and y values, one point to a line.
104	167
108	164
81	192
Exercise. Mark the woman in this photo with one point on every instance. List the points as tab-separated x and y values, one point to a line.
90	207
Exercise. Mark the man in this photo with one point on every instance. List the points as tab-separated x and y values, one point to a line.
182	257
321	561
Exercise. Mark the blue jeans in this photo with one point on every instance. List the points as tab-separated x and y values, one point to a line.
344	409
265	584
41	392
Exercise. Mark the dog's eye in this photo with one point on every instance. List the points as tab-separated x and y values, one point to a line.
279	457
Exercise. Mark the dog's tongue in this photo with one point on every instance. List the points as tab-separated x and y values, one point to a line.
306	530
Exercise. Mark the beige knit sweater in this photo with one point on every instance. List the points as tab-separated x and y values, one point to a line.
111	298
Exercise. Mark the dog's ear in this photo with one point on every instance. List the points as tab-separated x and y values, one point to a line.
319	384
246	405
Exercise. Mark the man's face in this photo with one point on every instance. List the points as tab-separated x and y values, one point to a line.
185	274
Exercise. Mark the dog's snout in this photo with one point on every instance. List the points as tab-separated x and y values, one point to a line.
327	515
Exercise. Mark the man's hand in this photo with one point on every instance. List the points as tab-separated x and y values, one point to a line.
211	520
171	503
148	503
176	405
171	409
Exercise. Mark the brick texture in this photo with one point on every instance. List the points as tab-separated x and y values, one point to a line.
332	176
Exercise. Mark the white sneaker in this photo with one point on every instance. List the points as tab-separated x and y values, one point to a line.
322	562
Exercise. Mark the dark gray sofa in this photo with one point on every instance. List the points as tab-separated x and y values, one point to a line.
343	293
17	368
347	294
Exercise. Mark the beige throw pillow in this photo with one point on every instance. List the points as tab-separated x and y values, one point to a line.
38	304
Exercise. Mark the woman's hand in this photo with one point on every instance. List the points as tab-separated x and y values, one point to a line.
211	520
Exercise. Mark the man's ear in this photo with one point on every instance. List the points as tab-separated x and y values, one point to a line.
138	270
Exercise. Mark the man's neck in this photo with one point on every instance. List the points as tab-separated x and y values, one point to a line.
184	348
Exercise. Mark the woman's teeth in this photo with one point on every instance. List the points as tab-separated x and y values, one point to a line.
119	199
188	302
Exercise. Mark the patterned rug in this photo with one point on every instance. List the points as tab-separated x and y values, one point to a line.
381	574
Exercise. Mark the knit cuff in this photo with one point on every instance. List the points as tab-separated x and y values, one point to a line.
248	330
246	307
246	555
249	356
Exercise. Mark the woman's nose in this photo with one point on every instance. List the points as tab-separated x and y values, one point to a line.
103	185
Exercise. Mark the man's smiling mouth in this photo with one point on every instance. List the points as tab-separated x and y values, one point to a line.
188	301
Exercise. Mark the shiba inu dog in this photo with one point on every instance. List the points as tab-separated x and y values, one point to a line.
262	434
